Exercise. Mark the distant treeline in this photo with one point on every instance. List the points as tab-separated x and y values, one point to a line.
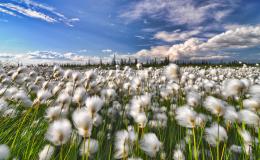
155	62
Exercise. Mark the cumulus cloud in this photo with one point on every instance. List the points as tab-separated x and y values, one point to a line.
35	10
242	37
176	35
179	11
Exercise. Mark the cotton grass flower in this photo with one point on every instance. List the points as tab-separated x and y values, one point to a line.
43	95
4	152
123	143
93	105
172	71
150	144
178	155
193	99
141	120
80	96
59	132
89	147
234	87
46	153
108	94
83	122
249	117
186	117
236	148
215	105
64	99
252	104
247	140
54	113
230	114
215	134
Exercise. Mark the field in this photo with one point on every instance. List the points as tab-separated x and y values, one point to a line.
134	113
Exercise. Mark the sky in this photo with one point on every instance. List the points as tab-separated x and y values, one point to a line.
66	30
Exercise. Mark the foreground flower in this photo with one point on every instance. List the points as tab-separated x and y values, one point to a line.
186	117
82	122
59	132
247	140
234	87
215	105
54	113
46	153
215	134
89	148
249	117
94	104
178	155
124	141
4	152
172	71
150	144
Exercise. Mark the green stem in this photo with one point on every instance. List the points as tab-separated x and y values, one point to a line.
194	143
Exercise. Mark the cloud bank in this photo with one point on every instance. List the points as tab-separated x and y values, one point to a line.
37	57
215	47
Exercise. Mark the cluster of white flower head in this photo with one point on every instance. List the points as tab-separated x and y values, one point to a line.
171	112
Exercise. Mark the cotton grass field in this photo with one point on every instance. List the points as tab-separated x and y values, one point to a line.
200	113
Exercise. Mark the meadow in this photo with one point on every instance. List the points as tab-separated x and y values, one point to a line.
130	113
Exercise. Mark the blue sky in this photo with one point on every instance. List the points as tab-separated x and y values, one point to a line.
82	29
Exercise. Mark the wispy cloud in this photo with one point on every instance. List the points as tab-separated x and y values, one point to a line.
178	11
176	35
107	50
140	37
7	12
35	10
28	12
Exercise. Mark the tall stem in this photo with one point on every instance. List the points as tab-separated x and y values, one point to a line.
218	141
194	143
84	145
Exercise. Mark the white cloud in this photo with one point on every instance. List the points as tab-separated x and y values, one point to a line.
176	35
107	50
140	37
178	11
219	15
7	12
38	5
49	57
37	57
242	37
211	57
34	10
28	12
157	51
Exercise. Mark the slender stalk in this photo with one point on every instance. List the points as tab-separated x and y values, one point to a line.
194	143
223	150
61	150
218	141
84	145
